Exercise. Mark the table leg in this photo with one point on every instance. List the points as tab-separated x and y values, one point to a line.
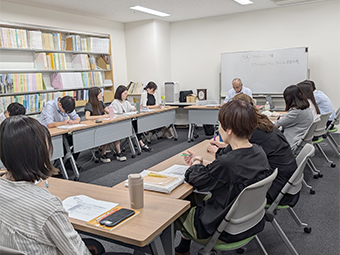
62	168
68	155
132	147
189	133
157	246
134	136
175	132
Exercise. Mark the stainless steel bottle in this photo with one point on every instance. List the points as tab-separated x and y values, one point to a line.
136	191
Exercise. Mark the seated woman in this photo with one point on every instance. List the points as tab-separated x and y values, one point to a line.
31	219
277	149
94	108
237	166
149	97
307	90
298	118
121	105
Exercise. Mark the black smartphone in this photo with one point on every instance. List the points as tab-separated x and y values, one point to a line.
98	121
117	217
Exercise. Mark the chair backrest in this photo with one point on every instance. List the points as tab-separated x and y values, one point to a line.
9	251
294	184
321	127
336	120
307	138
248	208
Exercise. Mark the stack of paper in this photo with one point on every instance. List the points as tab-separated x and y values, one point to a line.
164	181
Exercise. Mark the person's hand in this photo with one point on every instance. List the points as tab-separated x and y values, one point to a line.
188	159
212	148
72	122
105	116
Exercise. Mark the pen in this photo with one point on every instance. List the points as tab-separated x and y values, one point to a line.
106	214
46	181
215	137
156	175
185	154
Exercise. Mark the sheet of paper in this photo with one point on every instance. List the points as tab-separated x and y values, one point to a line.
85	208
176	170
130	113
72	126
211	105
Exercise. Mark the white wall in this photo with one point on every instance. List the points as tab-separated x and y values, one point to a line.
196	45
32	15
148	51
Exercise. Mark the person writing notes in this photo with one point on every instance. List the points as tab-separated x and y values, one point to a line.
149	96
298	118
59	112
121	105
31	219
238	165
238	88
94	109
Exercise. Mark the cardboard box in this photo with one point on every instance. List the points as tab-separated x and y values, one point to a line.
191	98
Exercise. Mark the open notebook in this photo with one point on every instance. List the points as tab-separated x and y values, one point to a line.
164	181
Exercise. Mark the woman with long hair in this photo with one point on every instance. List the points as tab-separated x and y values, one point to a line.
307	90
121	105
94	109
149	96
299	116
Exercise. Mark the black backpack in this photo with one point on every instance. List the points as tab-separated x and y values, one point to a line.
183	95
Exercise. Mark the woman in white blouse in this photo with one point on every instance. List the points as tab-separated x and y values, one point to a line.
121	105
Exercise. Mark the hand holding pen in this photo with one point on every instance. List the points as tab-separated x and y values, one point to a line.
188	157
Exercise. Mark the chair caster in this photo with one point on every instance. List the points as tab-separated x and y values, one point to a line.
196	136
138	153
192	139
149	142
333	165
307	230
96	161
312	192
133	156
320	175
123	150
316	176
189	141
175	139
76	179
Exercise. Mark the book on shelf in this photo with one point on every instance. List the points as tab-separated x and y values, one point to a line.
47	41
34	39
13	38
66	80
95	222
81	61
41	61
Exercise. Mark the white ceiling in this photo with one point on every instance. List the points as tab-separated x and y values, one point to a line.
118	10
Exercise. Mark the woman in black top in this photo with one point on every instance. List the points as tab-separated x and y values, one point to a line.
278	152
237	166
149	97
94	108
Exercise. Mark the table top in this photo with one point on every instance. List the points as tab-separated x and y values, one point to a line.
202	107
156	215
184	189
92	123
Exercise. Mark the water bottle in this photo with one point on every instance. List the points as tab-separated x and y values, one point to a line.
136	190
138	107
111	112
267	106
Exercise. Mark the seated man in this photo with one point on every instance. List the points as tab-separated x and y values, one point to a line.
13	109
238	88
57	111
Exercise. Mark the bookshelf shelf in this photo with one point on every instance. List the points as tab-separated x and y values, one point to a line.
55	51
28	53
52	71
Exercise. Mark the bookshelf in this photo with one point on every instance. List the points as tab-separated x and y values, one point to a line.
40	63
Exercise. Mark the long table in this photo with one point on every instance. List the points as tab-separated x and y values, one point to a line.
199	115
96	134
184	189
152	227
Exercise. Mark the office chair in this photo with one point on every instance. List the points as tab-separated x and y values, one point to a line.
293	186
319	132
247	211
332	129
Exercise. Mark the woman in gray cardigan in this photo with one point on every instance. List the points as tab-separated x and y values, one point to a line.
299	116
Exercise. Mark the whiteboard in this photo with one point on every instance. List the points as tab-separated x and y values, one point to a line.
264	71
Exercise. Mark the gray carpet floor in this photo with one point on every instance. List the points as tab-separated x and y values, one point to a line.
320	211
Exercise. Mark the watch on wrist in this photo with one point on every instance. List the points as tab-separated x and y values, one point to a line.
197	159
